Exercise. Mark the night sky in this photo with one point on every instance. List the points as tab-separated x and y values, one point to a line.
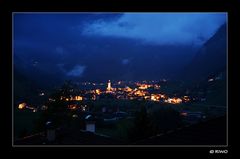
101	46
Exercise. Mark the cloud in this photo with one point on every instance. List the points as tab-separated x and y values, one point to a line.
159	28
61	67
59	50
125	61
76	71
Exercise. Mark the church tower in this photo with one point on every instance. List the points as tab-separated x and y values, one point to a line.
109	88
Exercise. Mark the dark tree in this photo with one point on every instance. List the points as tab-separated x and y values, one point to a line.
57	111
166	119
143	126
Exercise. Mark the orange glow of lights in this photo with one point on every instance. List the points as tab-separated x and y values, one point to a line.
78	98
139	93
128	89
98	91
162	96
155	97
174	100
22	105
72	107
144	86
146	97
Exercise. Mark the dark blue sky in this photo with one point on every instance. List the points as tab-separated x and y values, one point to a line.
90	45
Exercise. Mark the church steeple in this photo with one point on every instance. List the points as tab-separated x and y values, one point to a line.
109	88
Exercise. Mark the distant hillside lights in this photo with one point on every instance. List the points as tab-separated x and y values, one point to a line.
75	107
140	93
98	92
157	97
154	97
174	100
186	99
22	105
72	98
144	86
127	89
72	106
78	98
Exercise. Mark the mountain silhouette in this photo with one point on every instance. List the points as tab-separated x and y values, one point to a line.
210	59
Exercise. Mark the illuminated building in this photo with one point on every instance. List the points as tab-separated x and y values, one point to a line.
128	89
72	106
98	92
162	96
147	97
109	88
109	85
155	97
174	100
78	98
143	86
140	93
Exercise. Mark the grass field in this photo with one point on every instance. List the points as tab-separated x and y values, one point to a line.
120	130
